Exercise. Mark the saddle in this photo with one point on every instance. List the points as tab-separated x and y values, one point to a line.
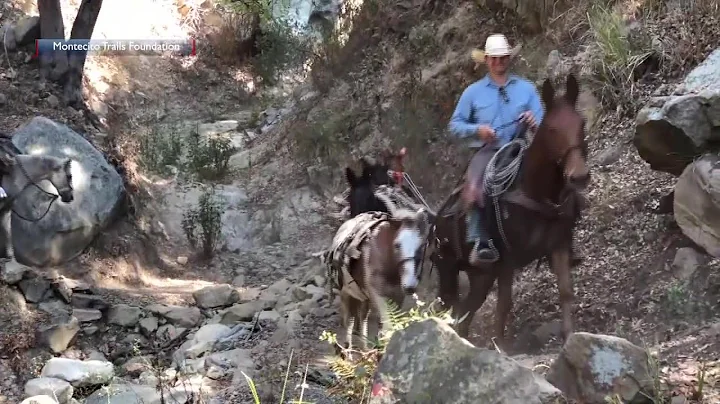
473	187
346	248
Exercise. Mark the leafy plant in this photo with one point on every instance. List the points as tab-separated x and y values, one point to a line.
159	150
354	376
203	224
210	157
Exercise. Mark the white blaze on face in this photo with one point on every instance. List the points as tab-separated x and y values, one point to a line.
407	242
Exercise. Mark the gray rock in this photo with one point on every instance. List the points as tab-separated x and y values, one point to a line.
79	373
695	208
178	315
686	262
591	367
216	296
429	362
27	30
136	394
672	131
59	389
12	272
68	228
41	399
60	335
34	288
148	325
87	315
242	312
85	301
124	315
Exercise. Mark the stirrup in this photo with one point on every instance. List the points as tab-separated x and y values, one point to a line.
475	258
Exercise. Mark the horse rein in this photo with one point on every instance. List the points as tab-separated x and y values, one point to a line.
31	182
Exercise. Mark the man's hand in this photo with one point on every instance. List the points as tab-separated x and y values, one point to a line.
528	118
486	133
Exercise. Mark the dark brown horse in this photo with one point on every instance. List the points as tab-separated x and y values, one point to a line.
537	216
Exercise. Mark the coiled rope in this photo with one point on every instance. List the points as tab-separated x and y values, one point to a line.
498	180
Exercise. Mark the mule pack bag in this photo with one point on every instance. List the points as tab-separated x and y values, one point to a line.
346	248
395	197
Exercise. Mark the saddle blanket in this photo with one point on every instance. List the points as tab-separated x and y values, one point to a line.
345	248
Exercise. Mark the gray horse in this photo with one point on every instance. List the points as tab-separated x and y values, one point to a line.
23	171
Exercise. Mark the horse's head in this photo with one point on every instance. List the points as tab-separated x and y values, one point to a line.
374	172
59	174
401	242
362	197
564	137
379	173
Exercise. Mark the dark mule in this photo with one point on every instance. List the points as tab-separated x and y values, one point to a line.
374	256
389	171
361	197
537	217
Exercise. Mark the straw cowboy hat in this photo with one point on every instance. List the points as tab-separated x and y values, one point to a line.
495	45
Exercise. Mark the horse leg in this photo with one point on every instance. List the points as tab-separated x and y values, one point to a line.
504	306
347	319
449	290
480	285
560	262
363	319
379	306
7	229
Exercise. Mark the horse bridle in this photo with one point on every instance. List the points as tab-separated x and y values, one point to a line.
33	183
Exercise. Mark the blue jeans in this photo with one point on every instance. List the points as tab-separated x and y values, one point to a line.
476	172
475	229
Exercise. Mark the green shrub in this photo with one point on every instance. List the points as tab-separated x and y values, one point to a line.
618	58
159	150
203	224
210	157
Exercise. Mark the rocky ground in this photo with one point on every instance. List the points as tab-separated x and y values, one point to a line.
138	310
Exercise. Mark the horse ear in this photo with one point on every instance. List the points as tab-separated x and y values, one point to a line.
548	93
572	89
350	176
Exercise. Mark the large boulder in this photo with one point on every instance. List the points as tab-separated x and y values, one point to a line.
67	228
592	368
671	131
429	363
697	203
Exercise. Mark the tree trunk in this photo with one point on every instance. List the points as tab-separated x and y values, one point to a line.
52	65
83	27
248	47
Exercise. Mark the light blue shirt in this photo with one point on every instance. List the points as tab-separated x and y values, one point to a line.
483	104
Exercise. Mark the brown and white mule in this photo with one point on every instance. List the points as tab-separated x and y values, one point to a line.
382	252
537	214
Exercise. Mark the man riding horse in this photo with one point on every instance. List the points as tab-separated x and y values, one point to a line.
490	113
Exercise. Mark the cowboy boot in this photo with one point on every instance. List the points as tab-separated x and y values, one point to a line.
482	251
